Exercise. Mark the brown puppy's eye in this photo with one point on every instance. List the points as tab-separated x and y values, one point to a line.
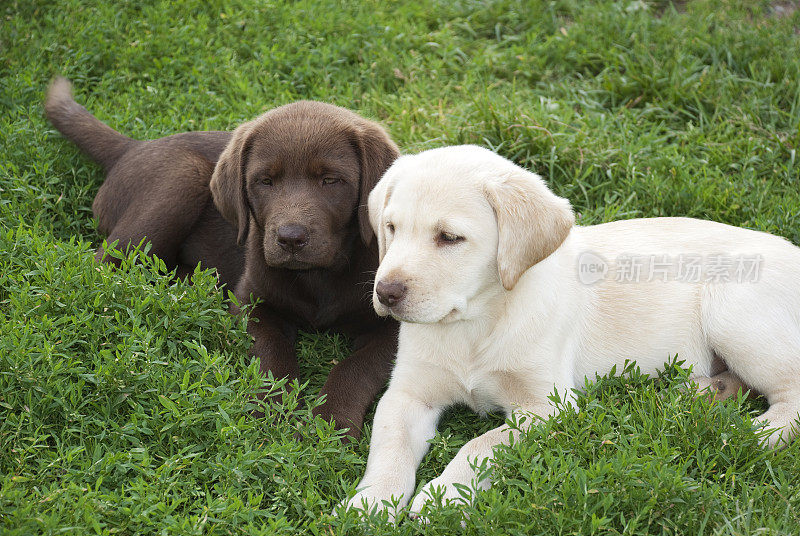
267	181
331	180
448	238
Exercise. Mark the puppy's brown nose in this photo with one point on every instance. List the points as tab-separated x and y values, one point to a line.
292	237
391	293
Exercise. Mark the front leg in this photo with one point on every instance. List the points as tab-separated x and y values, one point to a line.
402	428
476	452
273	344
354	383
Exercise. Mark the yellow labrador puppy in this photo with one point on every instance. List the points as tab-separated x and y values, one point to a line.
503	299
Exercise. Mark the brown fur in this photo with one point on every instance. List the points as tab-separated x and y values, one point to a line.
204	197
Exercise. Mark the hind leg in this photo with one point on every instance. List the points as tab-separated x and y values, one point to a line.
755	329
782	420
165	231
155	195
164	238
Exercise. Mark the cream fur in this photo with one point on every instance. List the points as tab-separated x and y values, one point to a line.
473	334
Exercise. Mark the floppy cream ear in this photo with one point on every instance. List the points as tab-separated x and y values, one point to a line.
227	182
376	203
377	152
532	222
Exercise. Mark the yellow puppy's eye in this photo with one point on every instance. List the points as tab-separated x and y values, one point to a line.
390	227
448	238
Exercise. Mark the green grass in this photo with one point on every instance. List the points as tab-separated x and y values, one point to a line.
123	396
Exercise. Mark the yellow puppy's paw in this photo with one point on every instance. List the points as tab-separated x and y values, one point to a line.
434	489
364	503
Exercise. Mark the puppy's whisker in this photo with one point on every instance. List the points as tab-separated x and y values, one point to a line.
367	296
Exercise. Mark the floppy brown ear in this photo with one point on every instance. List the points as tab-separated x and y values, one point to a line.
227	182
532	222
377	152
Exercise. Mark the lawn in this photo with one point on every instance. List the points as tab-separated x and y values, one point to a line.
123	394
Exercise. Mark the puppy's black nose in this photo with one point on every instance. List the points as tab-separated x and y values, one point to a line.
292	237
391	293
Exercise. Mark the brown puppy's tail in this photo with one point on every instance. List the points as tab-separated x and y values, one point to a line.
101	142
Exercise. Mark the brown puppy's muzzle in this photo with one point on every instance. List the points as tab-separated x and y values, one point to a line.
292	237
301	239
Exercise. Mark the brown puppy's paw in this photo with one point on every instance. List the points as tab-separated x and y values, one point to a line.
342	420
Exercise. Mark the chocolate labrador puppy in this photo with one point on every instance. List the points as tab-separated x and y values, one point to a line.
278	207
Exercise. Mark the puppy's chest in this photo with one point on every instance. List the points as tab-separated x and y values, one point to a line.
318	304
488	390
